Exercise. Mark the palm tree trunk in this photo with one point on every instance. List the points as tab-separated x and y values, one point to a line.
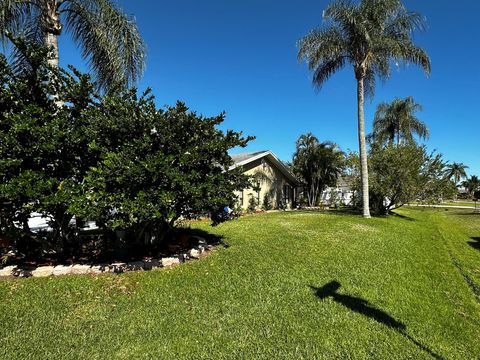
53	29
51	41
363	146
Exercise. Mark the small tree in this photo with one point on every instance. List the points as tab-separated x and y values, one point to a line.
476	196
252	204
472	184
334	198
401	174
317	164
397	122
267	203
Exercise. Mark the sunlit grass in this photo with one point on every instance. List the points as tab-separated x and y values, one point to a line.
290	285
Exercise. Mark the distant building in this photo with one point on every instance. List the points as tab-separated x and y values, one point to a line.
274	182
342	193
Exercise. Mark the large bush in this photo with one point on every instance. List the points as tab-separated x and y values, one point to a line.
400	174
156	167
66	151
43	146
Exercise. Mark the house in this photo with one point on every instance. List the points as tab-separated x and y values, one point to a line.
274	182
341	194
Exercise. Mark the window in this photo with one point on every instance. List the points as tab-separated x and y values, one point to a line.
240	198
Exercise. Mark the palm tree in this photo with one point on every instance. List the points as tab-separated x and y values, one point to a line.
318	165
397	120
109	40
456	171
472	184
368	36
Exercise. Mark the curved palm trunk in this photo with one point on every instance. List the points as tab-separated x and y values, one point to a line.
363	146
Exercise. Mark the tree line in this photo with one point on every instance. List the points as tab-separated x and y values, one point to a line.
401	170
368	36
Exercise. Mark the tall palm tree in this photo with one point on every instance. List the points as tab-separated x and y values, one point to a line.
397	120
109	39
456	171
368	36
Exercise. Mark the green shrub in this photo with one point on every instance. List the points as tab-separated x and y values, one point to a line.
267	203
252	204
115	159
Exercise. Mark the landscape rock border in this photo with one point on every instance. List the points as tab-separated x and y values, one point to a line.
115	268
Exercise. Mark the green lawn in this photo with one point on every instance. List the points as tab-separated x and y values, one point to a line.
452	203
290	286
461	203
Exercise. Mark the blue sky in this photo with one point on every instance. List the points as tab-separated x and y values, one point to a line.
239	56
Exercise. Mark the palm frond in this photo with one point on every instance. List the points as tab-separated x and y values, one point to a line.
33	33
397	120
326	69
370	83
370	35
403	51
324	52
13	15
109	40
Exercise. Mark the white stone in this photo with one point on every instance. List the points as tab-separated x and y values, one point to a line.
106	268
96	269
42	271
135	265
80	269
8	271
194	253
62	270
150	264
118	267
167	262
21	273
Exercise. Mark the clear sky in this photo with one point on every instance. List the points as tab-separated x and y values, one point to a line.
239	56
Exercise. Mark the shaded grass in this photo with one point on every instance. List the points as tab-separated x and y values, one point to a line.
400	294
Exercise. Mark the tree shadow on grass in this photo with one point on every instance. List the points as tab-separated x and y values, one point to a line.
401	216
475	243
465	212
363	307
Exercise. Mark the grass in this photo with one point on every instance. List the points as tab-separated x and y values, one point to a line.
461	203
290	286
469	203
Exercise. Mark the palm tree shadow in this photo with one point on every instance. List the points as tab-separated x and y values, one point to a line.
401	216
475	243
363	307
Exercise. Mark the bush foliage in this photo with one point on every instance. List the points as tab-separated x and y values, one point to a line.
400	174
116	159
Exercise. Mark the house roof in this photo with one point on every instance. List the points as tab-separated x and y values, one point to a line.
246	158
